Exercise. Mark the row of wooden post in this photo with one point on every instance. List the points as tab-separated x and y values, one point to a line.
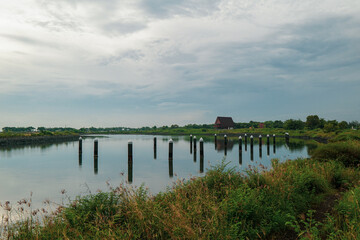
192	146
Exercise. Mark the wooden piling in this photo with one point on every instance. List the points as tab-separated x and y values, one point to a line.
80	145
155	147
130	161
96	148
201	142
171	148
240	144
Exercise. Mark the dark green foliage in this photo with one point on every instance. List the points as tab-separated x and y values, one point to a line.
312	121
292	124
346	152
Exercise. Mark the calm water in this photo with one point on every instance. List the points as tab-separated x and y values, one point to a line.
46	170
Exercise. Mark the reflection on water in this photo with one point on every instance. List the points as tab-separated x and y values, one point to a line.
74	165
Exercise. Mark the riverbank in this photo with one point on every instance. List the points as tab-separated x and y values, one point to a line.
9	141
224	204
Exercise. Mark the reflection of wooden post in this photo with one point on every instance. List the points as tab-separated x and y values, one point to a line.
80	145
201	142
130	161
80	159
96	148
96	166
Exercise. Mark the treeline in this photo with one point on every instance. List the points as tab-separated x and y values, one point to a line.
312	122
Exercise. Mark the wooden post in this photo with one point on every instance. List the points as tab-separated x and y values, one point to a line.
268	139
171	167
251	148
171	147
201	142
155	148
240	144
80	145
225	140
245	142
194	139
96	148
130	161
287	138
191	140
274	143
260	141
215	140
260	146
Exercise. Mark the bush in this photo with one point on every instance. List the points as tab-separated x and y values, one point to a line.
346	152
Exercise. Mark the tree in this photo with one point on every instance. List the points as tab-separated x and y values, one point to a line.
343	125
312	121
292	124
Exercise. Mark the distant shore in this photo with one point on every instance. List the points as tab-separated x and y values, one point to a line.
33	140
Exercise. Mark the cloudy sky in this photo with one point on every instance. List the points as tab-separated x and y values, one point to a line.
150	62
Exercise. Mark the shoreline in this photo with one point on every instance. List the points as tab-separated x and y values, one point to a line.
31	140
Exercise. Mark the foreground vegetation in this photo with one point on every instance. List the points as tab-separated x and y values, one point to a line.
279	203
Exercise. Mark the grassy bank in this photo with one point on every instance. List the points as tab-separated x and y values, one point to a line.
222	205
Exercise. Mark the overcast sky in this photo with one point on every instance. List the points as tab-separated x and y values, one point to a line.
83	63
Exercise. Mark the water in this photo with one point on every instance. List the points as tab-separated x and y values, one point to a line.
46	170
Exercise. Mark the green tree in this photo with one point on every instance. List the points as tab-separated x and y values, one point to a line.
292	124
312	121
343	125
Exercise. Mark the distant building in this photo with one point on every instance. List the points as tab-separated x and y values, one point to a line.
224	123
261	125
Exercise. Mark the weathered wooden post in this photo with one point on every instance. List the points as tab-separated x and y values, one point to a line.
240	150
245	142
96	148
194	139
171	147
268	139
251	148
171	166
201	142
155	147
130	161
191	140
274	143
80	145
260	141
215	140
260	146
240	144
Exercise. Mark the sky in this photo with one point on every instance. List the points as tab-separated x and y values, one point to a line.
82	63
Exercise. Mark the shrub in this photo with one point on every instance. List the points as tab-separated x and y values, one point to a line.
346	152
